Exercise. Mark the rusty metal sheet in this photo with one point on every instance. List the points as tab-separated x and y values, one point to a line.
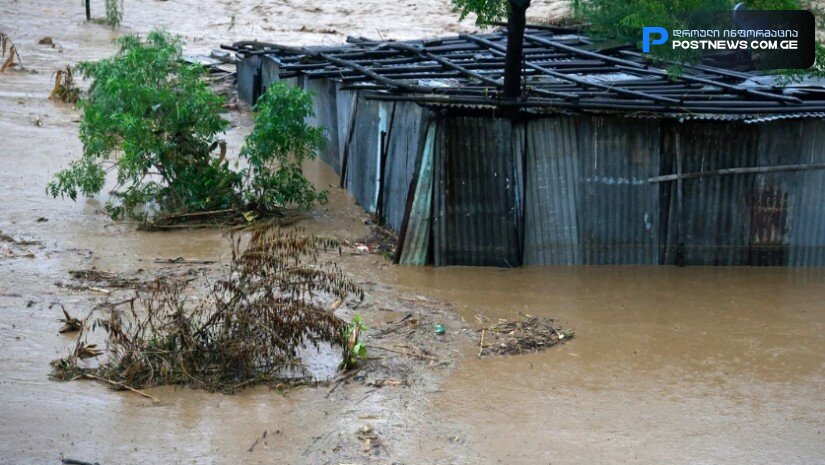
715	213
618	212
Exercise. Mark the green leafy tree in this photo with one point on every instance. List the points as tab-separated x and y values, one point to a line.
277	147
156	122
515	11
486	11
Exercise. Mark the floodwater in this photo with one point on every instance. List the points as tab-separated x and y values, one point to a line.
685	366
669	365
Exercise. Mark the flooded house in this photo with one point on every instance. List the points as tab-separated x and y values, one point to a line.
607	159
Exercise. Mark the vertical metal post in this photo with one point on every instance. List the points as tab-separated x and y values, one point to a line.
680	212
88	11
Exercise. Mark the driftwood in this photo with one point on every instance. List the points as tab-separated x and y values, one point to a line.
257	440
744	170
400	352
119	385
181	260
77	462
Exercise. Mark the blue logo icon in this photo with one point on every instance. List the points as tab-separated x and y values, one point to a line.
647	31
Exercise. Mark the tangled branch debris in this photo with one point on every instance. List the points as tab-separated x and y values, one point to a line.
110	280
247	330
533	334
70	323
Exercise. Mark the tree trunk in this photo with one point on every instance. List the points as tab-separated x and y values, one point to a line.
515	48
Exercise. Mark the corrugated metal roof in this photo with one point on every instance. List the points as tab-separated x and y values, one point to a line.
562	72
748	119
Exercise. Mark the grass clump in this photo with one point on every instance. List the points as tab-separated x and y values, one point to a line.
248	330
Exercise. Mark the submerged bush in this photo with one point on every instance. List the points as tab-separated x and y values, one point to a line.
114	12
247	330
281	135
161	119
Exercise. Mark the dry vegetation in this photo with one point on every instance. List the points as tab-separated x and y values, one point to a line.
247	330
8	54
65	88
532	334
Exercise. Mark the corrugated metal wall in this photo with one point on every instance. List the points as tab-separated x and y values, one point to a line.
775	195
415	247
618	209
588	199
364	151
551	232
572	189
475	218
249	78
801	199
345	103
402	148
325	107
714	216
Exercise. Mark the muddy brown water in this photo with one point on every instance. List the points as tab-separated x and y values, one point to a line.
687	366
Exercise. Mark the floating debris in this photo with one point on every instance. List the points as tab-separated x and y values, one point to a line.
110	280
70	323
533	334
370	442
7	59
65	88
84	351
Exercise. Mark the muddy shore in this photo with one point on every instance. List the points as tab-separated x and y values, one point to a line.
685	366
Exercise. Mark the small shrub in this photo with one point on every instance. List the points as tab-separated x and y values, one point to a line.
354	350
114	12
160	121
282	137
